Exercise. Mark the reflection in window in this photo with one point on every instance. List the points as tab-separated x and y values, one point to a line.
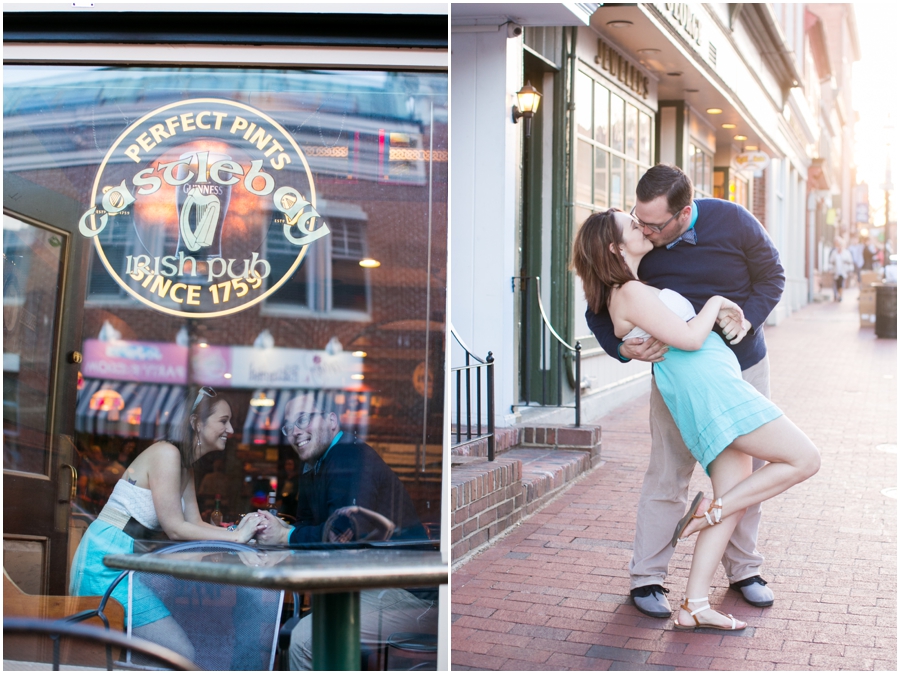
376	146
32	262
615	147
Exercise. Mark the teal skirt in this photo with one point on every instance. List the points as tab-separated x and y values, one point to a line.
709	400
90	577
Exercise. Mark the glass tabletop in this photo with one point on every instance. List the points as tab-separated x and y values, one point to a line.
330	570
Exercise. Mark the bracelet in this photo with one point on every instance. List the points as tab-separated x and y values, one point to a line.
232	527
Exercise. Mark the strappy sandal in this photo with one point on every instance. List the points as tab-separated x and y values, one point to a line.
697	623
713	516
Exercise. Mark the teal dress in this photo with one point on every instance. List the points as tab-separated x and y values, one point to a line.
705	392
90	577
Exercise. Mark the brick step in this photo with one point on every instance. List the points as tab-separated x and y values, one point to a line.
504	439
546	472
487	497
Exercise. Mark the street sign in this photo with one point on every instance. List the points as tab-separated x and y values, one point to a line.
752	161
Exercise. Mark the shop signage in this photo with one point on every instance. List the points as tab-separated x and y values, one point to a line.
684	18
618	67
203	185
752	161
220	366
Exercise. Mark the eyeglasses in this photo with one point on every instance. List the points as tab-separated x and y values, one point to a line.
204	391
655	228
302	422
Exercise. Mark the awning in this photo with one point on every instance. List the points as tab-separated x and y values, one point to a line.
263	422
128	409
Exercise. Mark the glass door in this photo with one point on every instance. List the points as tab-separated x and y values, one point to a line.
40	372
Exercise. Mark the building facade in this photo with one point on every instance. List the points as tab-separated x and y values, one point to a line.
727	92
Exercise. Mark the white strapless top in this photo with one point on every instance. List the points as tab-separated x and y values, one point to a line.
136	502
676	302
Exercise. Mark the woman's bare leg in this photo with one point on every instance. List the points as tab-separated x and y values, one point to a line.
792	459
729	469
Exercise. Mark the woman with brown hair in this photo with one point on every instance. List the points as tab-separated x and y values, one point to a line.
723	420
154	496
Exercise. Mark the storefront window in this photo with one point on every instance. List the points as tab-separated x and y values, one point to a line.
701	170
617	137
269	233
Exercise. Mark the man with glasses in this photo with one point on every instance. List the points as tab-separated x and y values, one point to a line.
702	247
344	477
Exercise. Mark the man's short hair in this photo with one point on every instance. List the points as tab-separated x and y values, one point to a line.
317	401
669	181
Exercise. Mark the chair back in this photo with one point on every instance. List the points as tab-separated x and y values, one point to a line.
230	627
32	648
59	632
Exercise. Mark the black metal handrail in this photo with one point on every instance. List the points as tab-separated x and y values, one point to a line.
557	344
487	365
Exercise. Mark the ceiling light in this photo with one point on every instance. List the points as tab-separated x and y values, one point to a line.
751	148
740	137
227	375
369	263
203	345
691	91
619	24
714	111
360	354
729	126
357	376
675	74
648	50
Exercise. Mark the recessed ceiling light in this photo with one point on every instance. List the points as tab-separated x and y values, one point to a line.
369	263
648	50
740	137
227	375
729	126
619	24
360	354
675	74
691	91
751	148
714	111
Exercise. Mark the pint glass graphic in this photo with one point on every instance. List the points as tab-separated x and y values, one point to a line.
202	205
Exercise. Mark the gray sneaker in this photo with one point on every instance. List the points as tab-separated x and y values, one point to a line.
651	600
754	591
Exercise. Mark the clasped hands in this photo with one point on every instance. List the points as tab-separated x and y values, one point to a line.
274	531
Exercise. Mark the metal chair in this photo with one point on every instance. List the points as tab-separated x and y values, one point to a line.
56	630
229	627
417	643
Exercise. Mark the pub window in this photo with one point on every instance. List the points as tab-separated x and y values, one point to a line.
614	147
701	170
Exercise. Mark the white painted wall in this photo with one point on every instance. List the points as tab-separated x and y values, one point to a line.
486	150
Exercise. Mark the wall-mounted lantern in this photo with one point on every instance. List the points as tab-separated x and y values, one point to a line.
529	99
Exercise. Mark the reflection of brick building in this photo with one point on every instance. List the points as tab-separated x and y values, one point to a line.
376	145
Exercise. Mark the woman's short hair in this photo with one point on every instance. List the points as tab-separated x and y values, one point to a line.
198	405
601	269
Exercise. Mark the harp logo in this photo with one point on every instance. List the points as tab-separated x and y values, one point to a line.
191	199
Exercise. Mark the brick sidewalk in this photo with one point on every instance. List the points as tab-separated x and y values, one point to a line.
553	594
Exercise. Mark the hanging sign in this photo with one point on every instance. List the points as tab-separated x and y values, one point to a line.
752	161
203	188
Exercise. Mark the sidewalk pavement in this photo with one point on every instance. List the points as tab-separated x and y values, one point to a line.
553	594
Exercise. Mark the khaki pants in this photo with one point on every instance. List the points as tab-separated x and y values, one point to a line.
381	613
664	498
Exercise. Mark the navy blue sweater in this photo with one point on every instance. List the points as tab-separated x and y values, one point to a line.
734	257
352	473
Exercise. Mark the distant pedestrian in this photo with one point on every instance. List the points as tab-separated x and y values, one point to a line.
841	264
856	252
